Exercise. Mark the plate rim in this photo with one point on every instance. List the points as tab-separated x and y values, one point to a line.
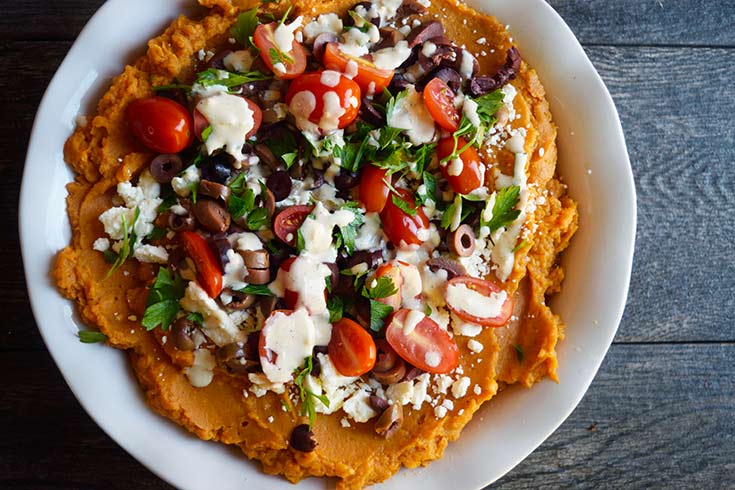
26	210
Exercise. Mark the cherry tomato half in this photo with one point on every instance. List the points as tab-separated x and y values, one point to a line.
209	273
201	123
374	190
439	100
293	63
426	346
351	349
467	178
370	78
392	271
485	288
345	91
402	227
288	222
160	124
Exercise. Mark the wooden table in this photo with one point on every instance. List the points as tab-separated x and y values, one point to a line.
661	412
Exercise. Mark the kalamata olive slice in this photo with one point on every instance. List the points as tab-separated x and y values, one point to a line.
181	223
181	334
211	215
410	7
371	259
222	246
334	278
279	183
255	259
389	37
217	168
346	180
370	114
234	358
462	241
241	301
389	367
266	305
452	267
214	190
321	41
302	439
422	33
267	157
165	167
258	276
379	404
483	85
448	76
389	421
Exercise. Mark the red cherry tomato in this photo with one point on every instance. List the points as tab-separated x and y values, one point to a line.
201	123
427	346
439	100
209	273
373	188
486	288
400	226
370	78
392	271
267	356
160	124
351	349
348	94
288	221
471	175
294	62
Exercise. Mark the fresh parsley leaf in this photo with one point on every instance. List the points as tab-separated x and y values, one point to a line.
257	219
488	105
380	287
504	212
390	106
169	200
431	188
451	212
244	28
521	246
213	76
279	56
206	133
110	256
285	147
157	233
300	244
427	309
256	289
519	352
306	395
289	158
378	313
238	184
163	300
128	242
403	205
336	307
345	236
422	157
91	337
196	318
239	205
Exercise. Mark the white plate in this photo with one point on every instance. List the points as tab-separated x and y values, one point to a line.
593	161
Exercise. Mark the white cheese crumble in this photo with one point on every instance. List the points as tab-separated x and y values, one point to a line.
184	183
291	339
329	23
475	346
239	61
218	326
460	387
411	115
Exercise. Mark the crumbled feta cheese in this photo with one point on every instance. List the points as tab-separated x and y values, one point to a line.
101	244
475	346
217	325
183	184
459	387
151	254
358	406
329	23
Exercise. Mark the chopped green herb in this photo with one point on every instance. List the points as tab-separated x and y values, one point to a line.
163	300
504	212
306	395
519	352
239	205
285	147
451	211
336	307
427	310
128	242
196	318
430	186
256	289
257	219
206	133
488	105
289	158
378	313
168	201
521	246
403	205
279	56
244	28
213	76
91	337
300	244
345	236
381	287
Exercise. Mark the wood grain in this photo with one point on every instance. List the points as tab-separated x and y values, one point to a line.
650	414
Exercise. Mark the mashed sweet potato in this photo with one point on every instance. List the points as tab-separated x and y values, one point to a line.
103	152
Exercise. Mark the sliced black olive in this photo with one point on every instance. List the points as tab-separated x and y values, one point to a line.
483	85
462	241
346	180
182	334
302	439
452	267
165	167
279	183
217	168
211	215
214	190
422	33
222	245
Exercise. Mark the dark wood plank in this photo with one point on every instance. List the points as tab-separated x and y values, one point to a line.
678	125
655	417
625	433
647	22
629	22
